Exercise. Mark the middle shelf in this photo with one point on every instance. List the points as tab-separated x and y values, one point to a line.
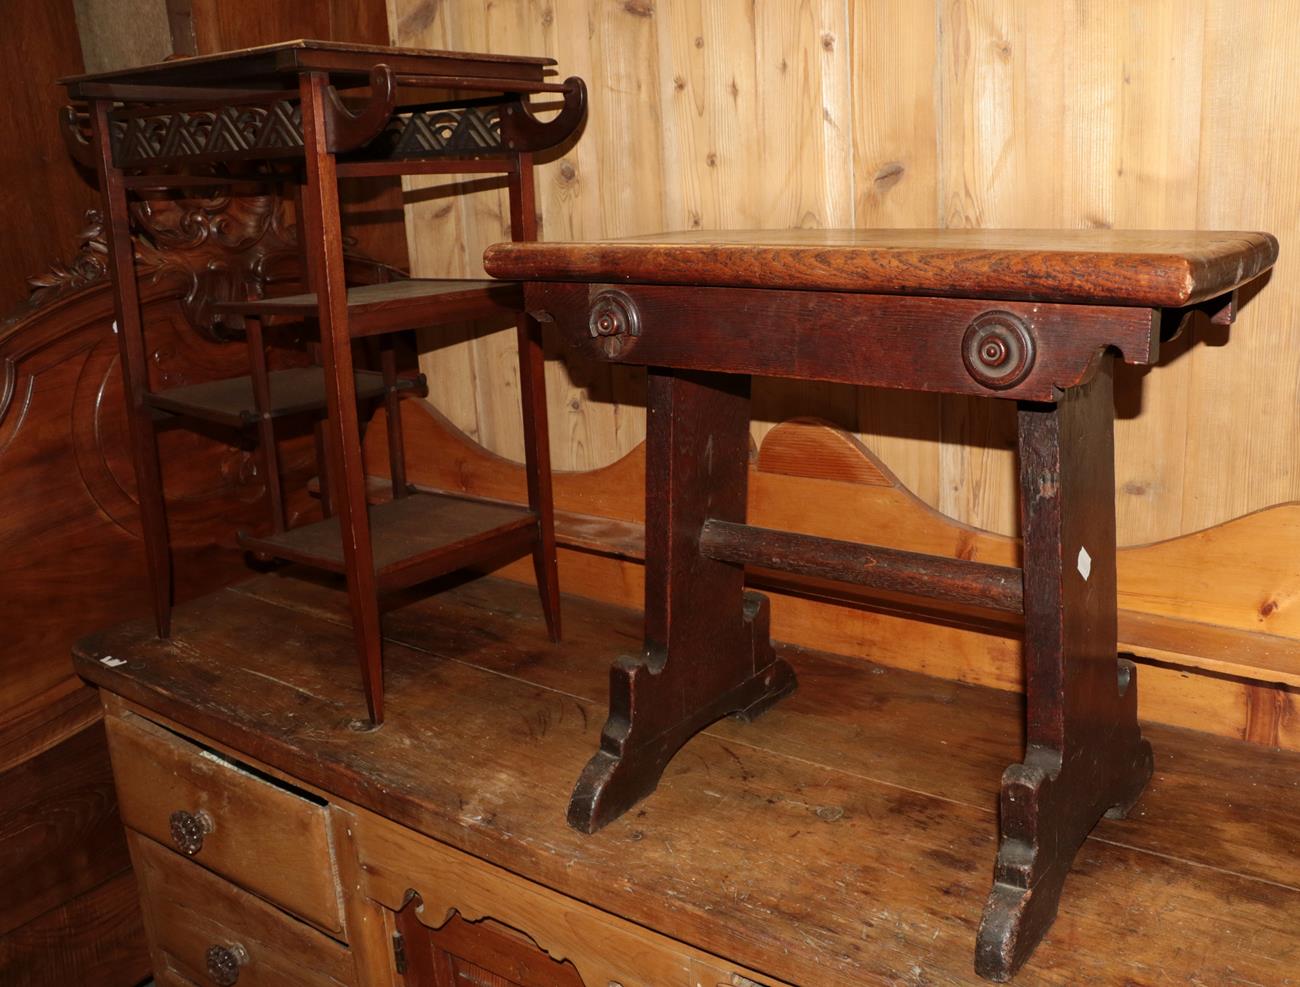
416	303
293	391
413	538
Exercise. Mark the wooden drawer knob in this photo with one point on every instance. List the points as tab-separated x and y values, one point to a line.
188	830
224	963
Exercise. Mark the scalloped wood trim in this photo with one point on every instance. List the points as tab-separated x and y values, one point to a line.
1225	600
604	948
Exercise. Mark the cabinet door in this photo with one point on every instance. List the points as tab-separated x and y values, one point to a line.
484	953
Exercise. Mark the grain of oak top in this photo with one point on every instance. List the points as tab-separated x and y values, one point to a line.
1112	267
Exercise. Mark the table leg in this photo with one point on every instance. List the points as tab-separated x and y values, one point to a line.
707	649
322	230
1085	753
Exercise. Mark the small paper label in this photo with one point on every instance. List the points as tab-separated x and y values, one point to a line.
1085	564
112	662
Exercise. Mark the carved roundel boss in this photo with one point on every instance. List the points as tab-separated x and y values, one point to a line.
998	350
614	321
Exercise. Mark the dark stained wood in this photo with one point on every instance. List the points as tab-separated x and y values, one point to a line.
96	938
1085	753
59	828
411	537
296	110
135	374
939	310
532	397
322	242
349	62
263	413
1095	267
995	586
292	391
709	655
877	340
405	304
372	210
43	196
855	824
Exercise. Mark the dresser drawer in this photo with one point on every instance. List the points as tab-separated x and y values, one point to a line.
207	931
261	835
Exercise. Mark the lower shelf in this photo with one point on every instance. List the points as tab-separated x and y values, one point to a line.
294	391
413	538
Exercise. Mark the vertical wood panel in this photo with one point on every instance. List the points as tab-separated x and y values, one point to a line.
896	171
1154	169
1159	113
1243	429
43	197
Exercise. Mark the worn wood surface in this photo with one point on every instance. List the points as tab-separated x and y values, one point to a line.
871	792
263	838
188	909
1169	114
699	661
1097	267
1085	755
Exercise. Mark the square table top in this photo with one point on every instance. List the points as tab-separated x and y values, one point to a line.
278	66
1102	267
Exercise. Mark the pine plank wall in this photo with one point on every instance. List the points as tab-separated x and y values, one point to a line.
993	113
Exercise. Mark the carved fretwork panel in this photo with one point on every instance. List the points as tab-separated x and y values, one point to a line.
222	133
447	130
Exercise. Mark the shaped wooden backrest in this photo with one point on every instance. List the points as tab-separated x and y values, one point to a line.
1225	600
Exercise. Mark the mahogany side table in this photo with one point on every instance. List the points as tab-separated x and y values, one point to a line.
1031	316
311	114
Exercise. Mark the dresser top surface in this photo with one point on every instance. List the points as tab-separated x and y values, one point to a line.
1120	267
280	63
843	838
